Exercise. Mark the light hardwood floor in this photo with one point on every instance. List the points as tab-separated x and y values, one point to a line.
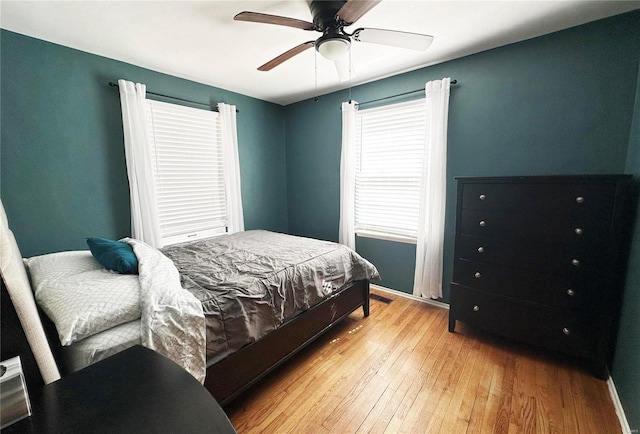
400	370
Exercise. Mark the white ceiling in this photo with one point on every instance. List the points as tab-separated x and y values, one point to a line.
200	41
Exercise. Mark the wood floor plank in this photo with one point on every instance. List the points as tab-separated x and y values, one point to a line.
381	415
523	406
469	394
569	416
408	338
453	419
586	415
359	407
270	407
478	410
400	370
502	408
441	373
336	386
549	398
451	383
414	386
495	392
375	415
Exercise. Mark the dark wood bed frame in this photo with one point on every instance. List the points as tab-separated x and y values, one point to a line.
234	374
231	376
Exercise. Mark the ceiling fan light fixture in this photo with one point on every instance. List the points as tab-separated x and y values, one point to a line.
333	47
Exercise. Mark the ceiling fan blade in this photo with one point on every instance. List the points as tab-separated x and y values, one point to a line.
256	17
344	67
286	56
413	41
353	10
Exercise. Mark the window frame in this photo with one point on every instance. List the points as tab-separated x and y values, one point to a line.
156	136
415	109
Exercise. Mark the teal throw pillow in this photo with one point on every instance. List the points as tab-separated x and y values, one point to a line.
114	255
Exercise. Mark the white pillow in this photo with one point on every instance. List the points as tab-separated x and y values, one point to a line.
80	296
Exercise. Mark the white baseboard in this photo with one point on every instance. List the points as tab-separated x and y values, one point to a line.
626	429
410	296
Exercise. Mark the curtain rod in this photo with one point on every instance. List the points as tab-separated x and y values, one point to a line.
112	84
399	94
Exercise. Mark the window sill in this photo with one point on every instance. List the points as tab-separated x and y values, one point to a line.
177	239
387	237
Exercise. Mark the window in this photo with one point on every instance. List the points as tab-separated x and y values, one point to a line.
389	153
188	165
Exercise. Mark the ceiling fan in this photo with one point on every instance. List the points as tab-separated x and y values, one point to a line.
331	17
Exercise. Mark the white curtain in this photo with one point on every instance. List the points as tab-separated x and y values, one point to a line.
347	233
235	214
144	217
430	240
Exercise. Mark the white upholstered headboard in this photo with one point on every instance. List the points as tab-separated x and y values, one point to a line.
15	278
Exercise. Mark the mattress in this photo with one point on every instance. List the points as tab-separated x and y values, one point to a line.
101	345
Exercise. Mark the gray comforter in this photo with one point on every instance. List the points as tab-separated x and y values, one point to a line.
250	283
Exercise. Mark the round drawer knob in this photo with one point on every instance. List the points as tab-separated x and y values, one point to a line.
579	199
575	262
570	292
482	197
476	308
482	223
480	249
478	275
566	331
578	231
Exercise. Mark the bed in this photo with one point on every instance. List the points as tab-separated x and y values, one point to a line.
263	296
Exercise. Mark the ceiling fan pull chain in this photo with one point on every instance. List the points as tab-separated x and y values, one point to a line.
350	64
315	69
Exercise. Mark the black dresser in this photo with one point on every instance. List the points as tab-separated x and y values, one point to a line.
541	260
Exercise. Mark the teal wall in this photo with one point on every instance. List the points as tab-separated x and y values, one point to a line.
557	104
626	366
63	174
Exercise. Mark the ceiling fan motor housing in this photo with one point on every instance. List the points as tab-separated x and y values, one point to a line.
324	14
334	42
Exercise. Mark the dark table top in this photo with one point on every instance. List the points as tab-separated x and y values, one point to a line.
135	391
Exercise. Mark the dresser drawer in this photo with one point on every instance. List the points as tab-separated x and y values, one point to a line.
539	255
553	329
546	289
480	310
546	228
539	198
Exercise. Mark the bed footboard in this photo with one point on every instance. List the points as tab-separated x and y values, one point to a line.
234	374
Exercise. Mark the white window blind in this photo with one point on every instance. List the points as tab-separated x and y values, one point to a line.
189	171
389	151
